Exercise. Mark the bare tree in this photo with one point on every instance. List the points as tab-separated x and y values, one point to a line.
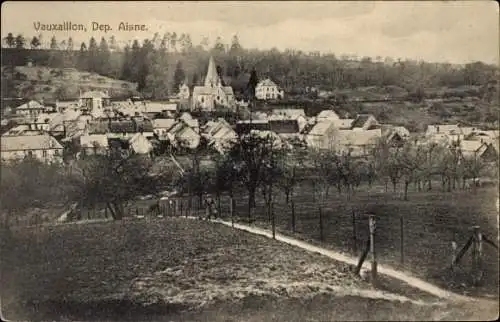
250	155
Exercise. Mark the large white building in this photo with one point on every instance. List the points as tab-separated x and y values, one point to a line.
212	94
267	89
42	147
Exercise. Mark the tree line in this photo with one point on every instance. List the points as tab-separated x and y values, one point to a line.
161	63
255	164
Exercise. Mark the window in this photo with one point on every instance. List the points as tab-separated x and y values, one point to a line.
218	98
44	153
202	99
56	152
30	154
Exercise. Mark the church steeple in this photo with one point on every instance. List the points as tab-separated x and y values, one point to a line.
212	78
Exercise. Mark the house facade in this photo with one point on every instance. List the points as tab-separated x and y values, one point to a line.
94	102
30	109
268	90
42	147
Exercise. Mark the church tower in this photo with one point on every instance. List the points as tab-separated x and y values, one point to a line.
212	79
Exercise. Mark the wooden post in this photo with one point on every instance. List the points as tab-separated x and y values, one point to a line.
231	210
273	219
354	234
293	215
476	255
401	245
454	248
372	223
320	224
363	257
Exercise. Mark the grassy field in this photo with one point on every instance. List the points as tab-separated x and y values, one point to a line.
179	269
431	221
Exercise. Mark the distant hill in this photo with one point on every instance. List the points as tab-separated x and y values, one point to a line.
51	84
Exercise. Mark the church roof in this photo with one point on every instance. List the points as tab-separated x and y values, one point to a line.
212	76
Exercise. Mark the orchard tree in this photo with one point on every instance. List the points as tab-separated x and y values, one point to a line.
20	41
250	155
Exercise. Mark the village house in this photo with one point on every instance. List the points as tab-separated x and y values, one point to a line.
444	132
327	115
396	135
61	106
268	90
182	135
190	121
364	122
161	127
30	109
42	147
212	94
321	135
343	124
184	92
94	144
154	109
290	114
219	135
135	144
286	129
478	150
357	143
23	130
246	126
94	101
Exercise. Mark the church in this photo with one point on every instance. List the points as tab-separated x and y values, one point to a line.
212	94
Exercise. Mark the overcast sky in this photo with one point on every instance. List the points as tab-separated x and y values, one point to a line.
456	32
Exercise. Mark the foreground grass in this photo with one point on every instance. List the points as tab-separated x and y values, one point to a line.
182	270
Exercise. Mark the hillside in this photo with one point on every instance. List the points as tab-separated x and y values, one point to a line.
50	84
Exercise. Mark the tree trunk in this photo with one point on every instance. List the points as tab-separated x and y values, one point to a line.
394	186
449	184
407	183
419	187
386	183
339	188
287	196
429	184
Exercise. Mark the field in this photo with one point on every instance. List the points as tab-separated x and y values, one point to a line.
175	268
431	221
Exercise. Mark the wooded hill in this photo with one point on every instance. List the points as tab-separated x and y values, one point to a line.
160	64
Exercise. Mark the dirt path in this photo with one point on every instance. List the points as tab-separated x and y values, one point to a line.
382	269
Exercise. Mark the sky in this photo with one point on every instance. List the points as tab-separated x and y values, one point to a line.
455	32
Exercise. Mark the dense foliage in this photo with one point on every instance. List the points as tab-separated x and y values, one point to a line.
160	64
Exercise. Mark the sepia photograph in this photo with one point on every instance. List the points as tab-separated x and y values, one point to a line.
249	161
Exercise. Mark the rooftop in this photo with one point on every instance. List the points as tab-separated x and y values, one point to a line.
29	142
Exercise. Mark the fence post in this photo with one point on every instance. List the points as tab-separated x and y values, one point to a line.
372	224
401	246
320	223
293	215
354	234
271	211
231	210
454	248
476	255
